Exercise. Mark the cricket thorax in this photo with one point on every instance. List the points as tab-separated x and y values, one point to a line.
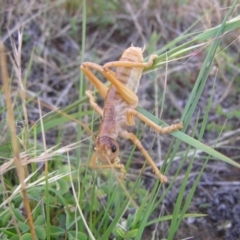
114	115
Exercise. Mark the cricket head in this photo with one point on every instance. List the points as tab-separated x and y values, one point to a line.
107	149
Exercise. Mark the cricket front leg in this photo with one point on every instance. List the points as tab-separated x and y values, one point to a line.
137	142
93	103
128	95
174	127
93	164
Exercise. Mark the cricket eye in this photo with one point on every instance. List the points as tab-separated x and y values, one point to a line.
113	148
94	147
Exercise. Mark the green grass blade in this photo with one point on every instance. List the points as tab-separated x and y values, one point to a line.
169	217
189	46
177	209
149	209
119	213
196	182
191	141
81	84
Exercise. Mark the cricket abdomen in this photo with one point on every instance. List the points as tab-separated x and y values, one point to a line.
130	76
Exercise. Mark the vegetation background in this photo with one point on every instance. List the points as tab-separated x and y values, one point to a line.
47	190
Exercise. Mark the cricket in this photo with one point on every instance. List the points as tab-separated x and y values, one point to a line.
119	109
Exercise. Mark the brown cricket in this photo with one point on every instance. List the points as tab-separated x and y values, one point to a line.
119	108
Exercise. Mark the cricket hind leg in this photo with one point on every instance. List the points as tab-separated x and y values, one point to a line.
143	65
124	91
128	95
93	79
150	161
157	128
